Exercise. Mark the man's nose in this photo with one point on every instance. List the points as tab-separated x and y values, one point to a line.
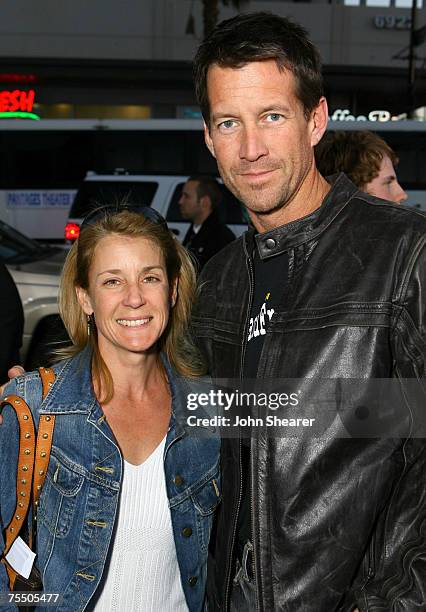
252	145
400	195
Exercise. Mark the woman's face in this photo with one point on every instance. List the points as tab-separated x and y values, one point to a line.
129	295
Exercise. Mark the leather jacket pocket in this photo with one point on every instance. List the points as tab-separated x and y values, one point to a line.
58	497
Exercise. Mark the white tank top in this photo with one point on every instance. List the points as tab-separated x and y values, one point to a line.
143	574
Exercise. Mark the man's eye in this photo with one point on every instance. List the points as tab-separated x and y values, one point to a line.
273	117
226	125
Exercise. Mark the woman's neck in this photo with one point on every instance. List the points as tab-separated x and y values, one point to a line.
135	374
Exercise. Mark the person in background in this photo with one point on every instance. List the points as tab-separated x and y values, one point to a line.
126	510
11	323
365	158
199	203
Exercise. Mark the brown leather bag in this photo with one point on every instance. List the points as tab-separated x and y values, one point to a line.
33	461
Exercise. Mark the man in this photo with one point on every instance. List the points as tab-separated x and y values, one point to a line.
365	158
331	523
207	235
11	322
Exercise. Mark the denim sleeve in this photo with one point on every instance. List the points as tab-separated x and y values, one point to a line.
9	450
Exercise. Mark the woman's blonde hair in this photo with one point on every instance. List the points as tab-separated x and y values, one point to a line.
175	341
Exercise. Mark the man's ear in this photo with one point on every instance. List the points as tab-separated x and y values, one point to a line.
206	203
84	300
318	121
208	140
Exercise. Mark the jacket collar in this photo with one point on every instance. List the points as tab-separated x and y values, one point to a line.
308	228
209	223
72	390
181	389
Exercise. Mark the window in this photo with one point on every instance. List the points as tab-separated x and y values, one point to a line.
383	3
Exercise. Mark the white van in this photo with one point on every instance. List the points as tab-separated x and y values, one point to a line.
162	192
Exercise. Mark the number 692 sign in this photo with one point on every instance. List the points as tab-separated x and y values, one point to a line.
392	22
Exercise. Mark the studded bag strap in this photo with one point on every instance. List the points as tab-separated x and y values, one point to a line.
24	476
33	460
44	438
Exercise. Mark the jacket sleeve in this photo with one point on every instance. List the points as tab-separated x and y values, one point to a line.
397	572
409	333
9	447
398	575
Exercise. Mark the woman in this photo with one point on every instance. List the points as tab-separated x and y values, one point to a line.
122	468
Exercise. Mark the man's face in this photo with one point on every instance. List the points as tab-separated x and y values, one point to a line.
259	135
385	185
189	204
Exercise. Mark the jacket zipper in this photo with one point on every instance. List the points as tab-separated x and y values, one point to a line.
251	466
254	540
250	302
243	350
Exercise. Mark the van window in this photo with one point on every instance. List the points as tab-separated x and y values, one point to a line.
231	211
93	194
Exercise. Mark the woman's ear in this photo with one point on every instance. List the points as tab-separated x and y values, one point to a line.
84	300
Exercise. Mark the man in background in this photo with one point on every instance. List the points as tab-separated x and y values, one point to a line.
11	323
365	158
199	202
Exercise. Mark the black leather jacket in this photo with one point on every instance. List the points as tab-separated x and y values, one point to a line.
337	523
212	236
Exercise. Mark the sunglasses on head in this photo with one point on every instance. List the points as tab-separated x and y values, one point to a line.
105	211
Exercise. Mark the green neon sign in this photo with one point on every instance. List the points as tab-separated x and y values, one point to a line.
19	115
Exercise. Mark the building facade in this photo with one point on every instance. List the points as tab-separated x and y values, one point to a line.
132	59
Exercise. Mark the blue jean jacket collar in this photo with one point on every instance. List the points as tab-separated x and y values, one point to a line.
72	392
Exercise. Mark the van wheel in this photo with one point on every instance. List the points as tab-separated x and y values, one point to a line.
49	335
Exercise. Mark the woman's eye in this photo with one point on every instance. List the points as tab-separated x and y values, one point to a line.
111	282
151	279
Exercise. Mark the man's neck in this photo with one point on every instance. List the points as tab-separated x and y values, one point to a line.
201	217
308	198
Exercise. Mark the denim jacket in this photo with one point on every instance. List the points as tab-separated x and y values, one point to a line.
79	501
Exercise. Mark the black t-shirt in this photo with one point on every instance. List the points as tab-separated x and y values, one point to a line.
270	280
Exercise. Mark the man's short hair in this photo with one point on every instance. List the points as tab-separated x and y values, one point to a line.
359	154
208	186
255	37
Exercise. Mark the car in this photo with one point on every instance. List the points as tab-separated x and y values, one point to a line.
36	270
161	191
